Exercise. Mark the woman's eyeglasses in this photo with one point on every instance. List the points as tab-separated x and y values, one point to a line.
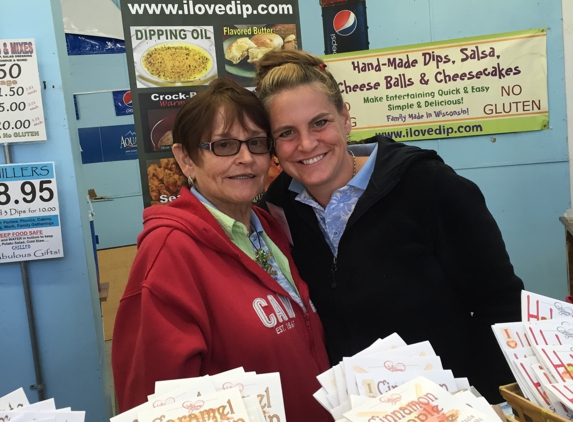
226	147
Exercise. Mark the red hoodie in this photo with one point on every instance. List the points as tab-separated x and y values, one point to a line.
195	304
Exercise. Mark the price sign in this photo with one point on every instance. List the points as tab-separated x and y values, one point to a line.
29	213
21	110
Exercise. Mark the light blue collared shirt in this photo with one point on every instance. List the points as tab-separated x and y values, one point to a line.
239	235
334	217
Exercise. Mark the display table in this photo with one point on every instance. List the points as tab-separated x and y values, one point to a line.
569	251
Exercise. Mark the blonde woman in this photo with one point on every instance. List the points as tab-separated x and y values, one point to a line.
387	236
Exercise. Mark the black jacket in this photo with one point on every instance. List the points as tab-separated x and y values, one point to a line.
421	256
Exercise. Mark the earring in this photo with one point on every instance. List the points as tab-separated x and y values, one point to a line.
190	181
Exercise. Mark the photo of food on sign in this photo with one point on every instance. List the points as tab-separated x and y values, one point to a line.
157	109
165	179
244	45
171	56
160	126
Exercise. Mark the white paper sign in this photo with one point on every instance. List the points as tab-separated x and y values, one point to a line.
200	385
374	384
511	335
420	399
551	332
29	213
14	400
21	110
225	405
563	392
557	360
266	387
57	415
536	307
403	364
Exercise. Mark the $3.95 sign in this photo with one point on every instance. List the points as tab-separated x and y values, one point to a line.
29	190
21	110
29	213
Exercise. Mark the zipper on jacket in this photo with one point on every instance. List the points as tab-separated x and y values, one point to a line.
310	332
333	271
307	321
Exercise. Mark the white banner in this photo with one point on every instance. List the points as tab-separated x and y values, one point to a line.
466	87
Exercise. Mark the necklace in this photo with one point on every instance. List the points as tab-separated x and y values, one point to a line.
262	257
353	163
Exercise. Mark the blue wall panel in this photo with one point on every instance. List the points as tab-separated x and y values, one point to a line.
98	72
64	290
117	221
97	108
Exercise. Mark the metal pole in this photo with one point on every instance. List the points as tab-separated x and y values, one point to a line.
39	386
7	153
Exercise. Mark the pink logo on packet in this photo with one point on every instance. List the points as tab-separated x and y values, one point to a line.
393	399
228	385
399	367
193	406
159	403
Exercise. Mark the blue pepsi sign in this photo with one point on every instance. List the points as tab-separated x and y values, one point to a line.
122	103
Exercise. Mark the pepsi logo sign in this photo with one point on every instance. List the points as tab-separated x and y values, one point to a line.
127	98
345	23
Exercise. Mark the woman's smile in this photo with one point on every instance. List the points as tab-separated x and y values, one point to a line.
243	177
310	136
313	160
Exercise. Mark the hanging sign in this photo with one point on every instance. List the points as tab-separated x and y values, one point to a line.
29	213
21	110
465	87
176	48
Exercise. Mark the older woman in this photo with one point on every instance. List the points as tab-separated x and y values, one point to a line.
388	237
213	286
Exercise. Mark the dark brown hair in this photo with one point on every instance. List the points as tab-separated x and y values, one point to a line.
282	70
195	120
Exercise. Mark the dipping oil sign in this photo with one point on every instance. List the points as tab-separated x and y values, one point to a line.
29	213
21	110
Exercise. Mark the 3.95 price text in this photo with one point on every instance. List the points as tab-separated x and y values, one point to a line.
28	192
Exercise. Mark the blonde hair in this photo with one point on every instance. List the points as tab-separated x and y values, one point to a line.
282	70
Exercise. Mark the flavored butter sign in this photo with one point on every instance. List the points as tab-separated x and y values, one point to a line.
29	213
467	87
21	110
